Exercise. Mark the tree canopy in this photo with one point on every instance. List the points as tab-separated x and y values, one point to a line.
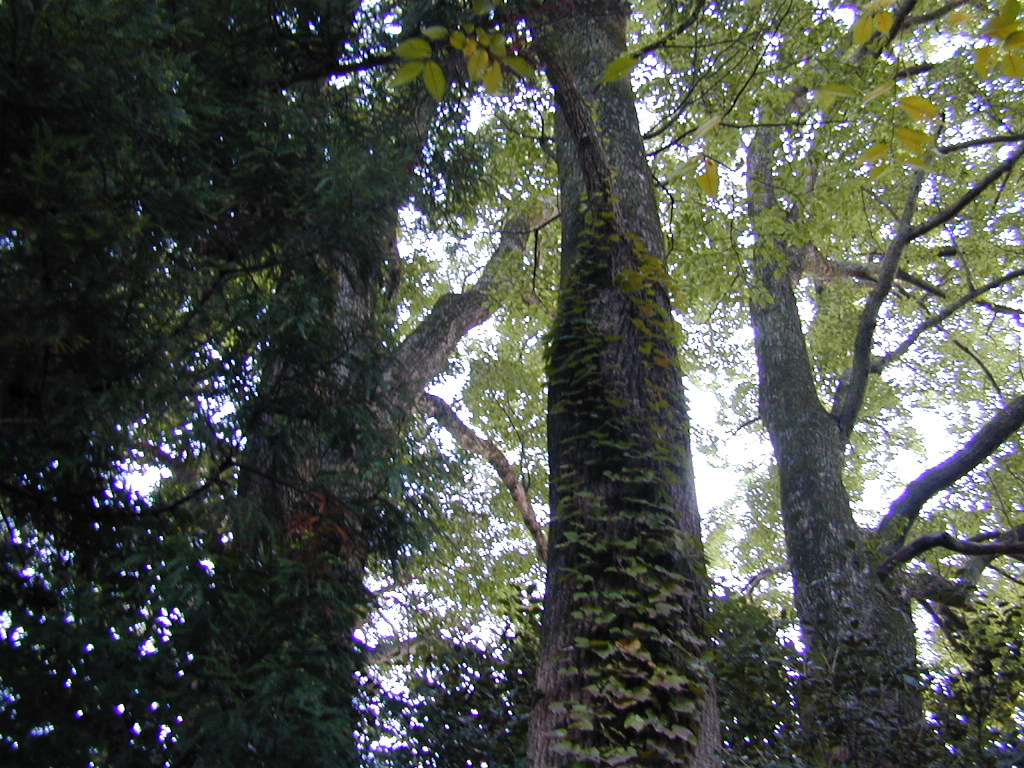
342	416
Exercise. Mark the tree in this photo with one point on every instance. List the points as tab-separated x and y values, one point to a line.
199	210
622	670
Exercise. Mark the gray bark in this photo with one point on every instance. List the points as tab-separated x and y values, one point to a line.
856	702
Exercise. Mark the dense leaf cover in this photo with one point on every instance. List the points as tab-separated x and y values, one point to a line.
198	279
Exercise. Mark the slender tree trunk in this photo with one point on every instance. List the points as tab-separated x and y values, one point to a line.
622	671
857	703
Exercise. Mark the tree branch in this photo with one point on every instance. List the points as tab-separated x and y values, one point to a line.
1003	546
903	512
471	441
968	197
939	317
850	396
424	352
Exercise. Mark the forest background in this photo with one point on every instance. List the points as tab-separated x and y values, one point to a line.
241	241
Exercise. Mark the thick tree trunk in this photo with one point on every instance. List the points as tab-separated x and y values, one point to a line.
857	704
622	670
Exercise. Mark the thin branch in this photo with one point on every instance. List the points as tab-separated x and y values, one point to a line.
903	511
427	349
941	316
938	13
1008	138
850	396
970	196
481	446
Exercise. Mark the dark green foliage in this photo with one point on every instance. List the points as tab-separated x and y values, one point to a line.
756	670
466	705
977	708
178	198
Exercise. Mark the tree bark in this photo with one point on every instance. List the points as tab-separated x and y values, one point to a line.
623	674
856	703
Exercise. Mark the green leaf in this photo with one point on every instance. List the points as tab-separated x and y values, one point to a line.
434	79
520	66
477	64
413	48
435	33
919	107
874	93
837	89
406	73
482	7
707	127
619	68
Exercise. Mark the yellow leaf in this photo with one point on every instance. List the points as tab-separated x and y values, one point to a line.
477	64
919	108
873	154
435	33
914	140
958	18
874	93
707	127
413	48
983	59
837	89
883	21
880	172
825	98
492	78
434	79
1015	41
630	646
1004	23
863	29
470	47
406	73
482	7
1013	66
619	68
483	37
458	39
708	181
497	47
520	66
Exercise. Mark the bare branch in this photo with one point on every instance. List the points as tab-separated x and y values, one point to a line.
944	314
968	197
922	544
938	13
426	350
471	441
1008	138
903	512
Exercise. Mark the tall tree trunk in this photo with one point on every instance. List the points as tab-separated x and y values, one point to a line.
857	703
622	671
